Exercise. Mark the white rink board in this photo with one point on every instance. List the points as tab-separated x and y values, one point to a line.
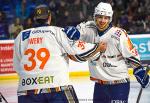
76	66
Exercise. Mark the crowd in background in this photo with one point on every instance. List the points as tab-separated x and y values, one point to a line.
17	15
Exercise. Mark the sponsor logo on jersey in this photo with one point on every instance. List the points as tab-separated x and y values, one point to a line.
108	65
115	37
37	80
81	45
41	31
118	101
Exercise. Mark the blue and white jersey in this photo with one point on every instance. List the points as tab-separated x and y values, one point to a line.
111	65
40	57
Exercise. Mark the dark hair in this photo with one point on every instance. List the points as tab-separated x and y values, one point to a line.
41	21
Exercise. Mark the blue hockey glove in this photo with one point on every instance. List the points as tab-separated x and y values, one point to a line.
141	76
72	32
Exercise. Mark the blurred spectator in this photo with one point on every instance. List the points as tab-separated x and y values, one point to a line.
28	8
15	28
90	8
147	28
139	27
75	10
18	8
8	8
28	23
3	27
54	7
132	15
62	14
123	21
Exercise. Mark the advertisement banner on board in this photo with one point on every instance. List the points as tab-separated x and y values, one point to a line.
141	42
6	57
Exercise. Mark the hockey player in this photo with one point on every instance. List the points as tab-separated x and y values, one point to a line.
110	70
40	59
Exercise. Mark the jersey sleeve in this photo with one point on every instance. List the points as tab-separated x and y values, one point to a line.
128	50
79	49
81	27
84	29
17	53
85	51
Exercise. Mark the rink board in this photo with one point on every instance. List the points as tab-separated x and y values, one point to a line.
141	42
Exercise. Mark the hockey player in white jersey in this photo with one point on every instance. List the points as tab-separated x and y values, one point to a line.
110	70
40	59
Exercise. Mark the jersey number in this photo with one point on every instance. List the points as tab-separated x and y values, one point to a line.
40	57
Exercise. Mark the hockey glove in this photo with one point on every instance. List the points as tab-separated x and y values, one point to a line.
72	32
141	76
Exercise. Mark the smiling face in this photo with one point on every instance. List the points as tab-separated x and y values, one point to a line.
103	15
102	22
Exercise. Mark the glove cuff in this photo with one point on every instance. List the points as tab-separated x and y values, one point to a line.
137	70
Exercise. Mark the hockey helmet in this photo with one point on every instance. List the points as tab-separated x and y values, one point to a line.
103	9
42	12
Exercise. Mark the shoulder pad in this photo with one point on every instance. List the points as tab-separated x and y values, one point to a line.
88	24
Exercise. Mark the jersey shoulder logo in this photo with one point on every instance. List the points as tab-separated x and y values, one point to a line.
25	35
118	32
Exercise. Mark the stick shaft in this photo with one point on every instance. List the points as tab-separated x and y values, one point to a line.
139	95
3	97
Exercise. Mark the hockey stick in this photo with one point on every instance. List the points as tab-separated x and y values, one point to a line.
141	89
3	98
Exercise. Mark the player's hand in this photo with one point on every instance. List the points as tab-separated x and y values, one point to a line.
72	32
102	47
141	76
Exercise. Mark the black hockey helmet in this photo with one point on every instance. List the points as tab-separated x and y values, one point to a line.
41	12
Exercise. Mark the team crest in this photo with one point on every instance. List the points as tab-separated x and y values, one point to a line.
39	11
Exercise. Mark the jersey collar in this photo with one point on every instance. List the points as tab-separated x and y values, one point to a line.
40	25
100	33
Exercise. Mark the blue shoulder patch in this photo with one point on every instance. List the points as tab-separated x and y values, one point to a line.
25	35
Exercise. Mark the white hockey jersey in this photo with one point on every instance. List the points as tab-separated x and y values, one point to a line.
111	65
40	57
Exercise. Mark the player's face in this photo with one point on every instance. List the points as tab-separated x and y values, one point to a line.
102	22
